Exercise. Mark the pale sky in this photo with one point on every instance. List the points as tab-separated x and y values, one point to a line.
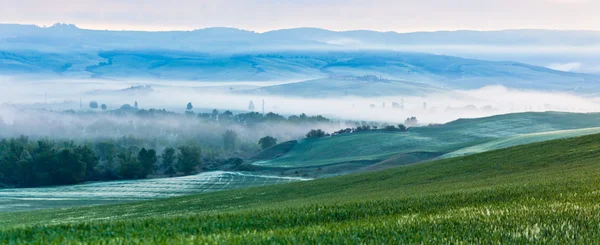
264	15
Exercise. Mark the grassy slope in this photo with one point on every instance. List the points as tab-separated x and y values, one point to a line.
330	87
543	192
521	140
442	139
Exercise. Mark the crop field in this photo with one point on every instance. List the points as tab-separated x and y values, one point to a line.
538	193
18	199
442	139
521	140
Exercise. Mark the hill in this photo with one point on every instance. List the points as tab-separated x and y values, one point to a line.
539	193
419	68
218	39
364	86
371	147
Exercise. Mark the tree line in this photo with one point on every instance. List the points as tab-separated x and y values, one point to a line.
29	163
318	133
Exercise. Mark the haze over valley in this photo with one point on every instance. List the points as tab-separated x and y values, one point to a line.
298	134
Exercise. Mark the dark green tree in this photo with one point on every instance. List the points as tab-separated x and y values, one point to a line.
147	160
90	160
266	142
189	159
44	155
316	133
168	158
129	166
189	106
402	128
70	169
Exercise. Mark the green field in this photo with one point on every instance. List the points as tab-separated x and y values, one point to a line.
521	140
544	192
376	146
21	199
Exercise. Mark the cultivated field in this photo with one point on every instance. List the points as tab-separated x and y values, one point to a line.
18	199
538	193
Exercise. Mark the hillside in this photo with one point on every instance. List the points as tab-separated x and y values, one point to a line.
373	146
539	193
417	68
336	86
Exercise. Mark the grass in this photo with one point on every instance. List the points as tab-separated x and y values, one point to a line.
521	140
22	199
539	193
375	146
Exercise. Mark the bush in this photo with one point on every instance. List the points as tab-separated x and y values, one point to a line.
316	133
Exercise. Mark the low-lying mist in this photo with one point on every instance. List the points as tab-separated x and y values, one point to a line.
60	95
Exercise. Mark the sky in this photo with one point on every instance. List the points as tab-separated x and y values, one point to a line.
265	15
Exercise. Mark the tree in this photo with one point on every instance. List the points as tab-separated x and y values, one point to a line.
70	169
167	158
25	166
103	107
267	142
251	106
229	138
44	155
189	159
316	133
135	104
94	105
147	159
126	107
89	158
402	128
189	106
214	114
390	128
129	166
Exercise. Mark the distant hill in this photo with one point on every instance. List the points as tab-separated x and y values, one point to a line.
438	70
365	86
218	39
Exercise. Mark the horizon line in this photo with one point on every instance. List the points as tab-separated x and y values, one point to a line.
293	28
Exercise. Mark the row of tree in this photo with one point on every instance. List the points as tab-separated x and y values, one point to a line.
318	133
27	163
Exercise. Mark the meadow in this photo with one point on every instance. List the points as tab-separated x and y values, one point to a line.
541	193
460	137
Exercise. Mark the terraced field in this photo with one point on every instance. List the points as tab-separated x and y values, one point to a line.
131	190
373	146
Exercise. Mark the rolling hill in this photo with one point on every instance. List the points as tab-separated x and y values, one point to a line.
362	149
219	39
538	193
337	86
437	70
